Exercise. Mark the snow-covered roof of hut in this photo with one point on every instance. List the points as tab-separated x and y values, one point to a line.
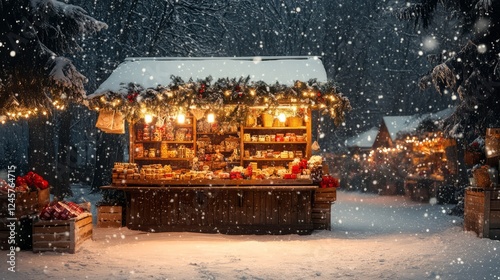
407	124
399	124
151	72
363	140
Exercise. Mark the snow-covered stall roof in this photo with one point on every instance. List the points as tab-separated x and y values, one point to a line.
398	124
364	140
407	124
151	72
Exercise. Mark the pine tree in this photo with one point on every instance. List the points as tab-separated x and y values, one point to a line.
36	79
473	73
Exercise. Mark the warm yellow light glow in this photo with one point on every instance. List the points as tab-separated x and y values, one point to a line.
252	92
181	118
282	117
227	93
148	118
210	118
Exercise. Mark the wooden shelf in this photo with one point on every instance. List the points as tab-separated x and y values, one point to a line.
275	142
217	134
217	138
168	142
268	159
274	128
161	159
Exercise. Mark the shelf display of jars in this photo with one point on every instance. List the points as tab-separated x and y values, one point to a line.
220	146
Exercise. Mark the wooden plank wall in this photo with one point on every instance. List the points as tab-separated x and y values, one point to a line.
258	211
474	212
482	213
494	222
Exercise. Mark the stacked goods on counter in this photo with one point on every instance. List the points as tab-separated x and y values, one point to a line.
156	171
296	169
124	170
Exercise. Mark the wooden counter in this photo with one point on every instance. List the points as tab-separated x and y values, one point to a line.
219	206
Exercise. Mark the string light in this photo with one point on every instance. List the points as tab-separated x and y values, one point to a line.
181	118
148	118
211	117
282	117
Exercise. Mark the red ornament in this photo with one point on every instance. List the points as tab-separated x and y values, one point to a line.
132	96
202	89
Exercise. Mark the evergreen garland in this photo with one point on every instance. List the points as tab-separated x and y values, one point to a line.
231	99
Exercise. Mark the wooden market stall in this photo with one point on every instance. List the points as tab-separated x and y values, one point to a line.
406	155
231	156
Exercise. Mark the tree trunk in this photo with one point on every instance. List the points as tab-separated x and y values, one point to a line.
62	186
109	150
48	151
41	148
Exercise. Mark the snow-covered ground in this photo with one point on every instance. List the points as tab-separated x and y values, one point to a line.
373	237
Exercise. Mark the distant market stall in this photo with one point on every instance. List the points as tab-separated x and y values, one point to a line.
221	144
408	154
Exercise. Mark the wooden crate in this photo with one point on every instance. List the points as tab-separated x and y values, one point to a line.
25	204
109	216
43	198
62	235
321	215
321	210
325	195
482	212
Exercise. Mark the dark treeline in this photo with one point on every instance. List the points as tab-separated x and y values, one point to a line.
375	58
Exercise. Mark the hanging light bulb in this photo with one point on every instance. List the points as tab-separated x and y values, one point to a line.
282	117
181	118
148	118
211	117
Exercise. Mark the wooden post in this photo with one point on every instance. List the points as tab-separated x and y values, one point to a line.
486	225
